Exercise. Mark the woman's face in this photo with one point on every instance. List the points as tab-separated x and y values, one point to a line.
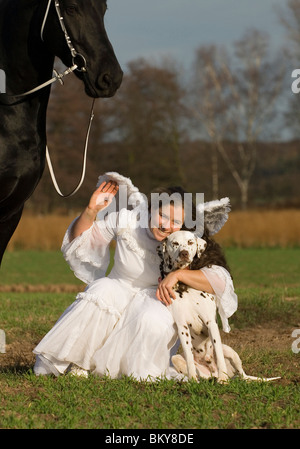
165	220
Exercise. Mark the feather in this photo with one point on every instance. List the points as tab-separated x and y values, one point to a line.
215	214
133	196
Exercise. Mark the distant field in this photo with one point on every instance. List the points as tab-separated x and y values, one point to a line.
280	228
250	266
35	292
36	267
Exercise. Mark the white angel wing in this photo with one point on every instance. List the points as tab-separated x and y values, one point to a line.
128	196
119	179
215	214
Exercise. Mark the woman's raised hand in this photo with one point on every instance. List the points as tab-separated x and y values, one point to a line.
100	199
103	196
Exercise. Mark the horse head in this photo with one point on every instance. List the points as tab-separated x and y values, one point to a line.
32	33
79	25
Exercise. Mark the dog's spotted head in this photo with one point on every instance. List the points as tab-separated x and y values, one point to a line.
179	250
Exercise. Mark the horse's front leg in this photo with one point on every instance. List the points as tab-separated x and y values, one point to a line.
7	228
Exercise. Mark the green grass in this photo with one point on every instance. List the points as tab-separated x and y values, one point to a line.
95	403
264	267
31	313
267	283
260	267
35	267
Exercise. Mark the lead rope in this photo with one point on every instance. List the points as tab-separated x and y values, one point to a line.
59	77
83	164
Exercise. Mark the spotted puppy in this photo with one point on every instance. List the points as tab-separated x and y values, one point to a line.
205	362
194	313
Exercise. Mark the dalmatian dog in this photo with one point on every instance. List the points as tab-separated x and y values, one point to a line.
194	313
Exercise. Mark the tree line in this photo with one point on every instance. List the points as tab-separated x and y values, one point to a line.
214	128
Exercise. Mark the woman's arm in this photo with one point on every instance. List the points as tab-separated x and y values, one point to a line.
193	278
100	199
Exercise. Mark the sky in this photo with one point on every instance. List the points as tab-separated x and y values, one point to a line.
155	28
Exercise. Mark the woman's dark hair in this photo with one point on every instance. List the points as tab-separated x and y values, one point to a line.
213	254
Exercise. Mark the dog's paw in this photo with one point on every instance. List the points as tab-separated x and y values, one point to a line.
223	379
179	364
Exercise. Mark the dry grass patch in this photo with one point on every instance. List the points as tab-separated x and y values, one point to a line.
271	228
43	232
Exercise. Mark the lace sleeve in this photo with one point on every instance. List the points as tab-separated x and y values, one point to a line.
88	254
222	284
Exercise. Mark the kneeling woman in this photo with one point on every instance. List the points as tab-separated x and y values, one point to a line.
120	324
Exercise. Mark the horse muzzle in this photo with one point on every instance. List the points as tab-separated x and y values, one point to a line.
105	84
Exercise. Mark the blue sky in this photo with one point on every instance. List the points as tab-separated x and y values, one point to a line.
155	28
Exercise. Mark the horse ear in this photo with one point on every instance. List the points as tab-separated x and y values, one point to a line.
201	245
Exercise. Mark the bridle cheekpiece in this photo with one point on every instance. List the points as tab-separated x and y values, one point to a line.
75	55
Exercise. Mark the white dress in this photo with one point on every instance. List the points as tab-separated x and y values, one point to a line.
117	326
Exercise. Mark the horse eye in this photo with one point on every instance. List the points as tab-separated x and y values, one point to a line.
71	10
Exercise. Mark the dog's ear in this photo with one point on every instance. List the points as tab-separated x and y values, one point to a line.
201	245
161	249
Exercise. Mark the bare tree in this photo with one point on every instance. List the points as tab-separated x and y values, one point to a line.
236	101
208	77
148	114
289	15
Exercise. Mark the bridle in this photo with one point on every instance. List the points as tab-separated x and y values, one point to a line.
73	52
59	77
75	55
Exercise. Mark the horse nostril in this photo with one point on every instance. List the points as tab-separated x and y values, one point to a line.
105	81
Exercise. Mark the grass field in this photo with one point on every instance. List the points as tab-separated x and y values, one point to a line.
37	286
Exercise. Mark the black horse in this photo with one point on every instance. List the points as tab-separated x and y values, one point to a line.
32	33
